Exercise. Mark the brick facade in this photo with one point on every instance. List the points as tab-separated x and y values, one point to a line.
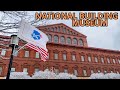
54	47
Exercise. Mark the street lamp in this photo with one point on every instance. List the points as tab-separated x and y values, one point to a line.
14	44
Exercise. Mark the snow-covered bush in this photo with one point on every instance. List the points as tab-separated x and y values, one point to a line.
19	75
41	75
51	75
44	75
105	76
66	76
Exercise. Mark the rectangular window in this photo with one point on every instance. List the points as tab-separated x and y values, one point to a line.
0	70
75	72
119	61
65	70
96	59
117	72
73	57
105	71
111	71
26	53
92	71
25	70
3	52
89	58
82	58
102	60
114	61
64	56
12	69
37	55
84	72
56	56
57	71
108	60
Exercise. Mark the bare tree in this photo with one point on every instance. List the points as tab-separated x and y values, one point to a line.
9	20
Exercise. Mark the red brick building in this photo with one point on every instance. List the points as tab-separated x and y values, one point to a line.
68	52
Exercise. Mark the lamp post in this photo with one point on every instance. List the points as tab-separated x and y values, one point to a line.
13	44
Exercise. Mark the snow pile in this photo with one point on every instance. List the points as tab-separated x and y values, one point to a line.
66	76
105	76
44	75
51	75
19	75
41	75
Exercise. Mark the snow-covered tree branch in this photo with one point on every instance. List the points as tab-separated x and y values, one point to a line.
9	20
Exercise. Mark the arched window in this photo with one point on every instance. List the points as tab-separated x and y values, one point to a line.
58	29
62	39
75	41
56	39
64	30
81	42
50	37
52	29
68	40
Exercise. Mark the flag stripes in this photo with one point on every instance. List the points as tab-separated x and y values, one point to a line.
43	53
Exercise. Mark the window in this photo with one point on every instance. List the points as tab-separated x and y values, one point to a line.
65	70
50	38
37	55
55	29
64	56
119	61
111	71
3	52
48	29
89	58
114	61
68	31
75	72
52	29
96	59
75	41
55	55
102	60
56	71
68	40
117	72
98	71
64	30
108	60
81	42
37	69
105	72
92	71
62	39
58	29
56	39
26	53
84	72
0	70
82	58
12	69
25	70
73	57
15	52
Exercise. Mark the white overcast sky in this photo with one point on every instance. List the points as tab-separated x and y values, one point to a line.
100	37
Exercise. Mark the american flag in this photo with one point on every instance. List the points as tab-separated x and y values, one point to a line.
43	53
